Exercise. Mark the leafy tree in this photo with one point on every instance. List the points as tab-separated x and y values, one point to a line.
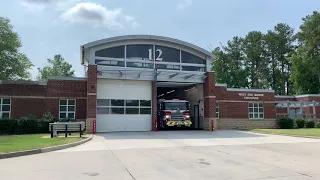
56	67
279	46
14	65
229	64
306	62
285	38
255	61
221	67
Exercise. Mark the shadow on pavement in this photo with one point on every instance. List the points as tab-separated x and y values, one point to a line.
180	135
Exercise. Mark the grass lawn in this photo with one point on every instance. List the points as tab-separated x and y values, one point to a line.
15	143
297	132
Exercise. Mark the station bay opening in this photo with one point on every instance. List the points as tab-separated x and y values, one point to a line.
179	106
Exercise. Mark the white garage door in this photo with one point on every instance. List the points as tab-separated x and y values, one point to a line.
123	105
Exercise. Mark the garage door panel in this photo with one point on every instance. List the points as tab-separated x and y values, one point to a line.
113	122
108	90
123	89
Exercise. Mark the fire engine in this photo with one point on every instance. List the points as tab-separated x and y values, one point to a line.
173	112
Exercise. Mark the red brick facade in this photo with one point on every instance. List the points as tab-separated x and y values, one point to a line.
36	99
234	108
154	104
209	99
92	91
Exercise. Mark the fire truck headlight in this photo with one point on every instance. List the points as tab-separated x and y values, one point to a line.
187	116
167	117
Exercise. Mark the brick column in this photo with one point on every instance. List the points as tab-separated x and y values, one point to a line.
91	97
209	101
154	104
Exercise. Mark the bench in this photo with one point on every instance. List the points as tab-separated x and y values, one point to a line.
66	127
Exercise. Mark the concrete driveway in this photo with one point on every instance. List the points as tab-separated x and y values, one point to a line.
174	155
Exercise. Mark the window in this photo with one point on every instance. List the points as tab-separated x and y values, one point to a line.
217	110
190	58
5	107
113	52
67	109
256	110
121	106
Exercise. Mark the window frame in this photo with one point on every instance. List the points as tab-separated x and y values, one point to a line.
125	107
253	107
1	104
67	108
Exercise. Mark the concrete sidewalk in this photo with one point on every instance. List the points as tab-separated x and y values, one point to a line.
138	140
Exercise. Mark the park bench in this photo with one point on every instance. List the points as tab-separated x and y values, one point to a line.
66	127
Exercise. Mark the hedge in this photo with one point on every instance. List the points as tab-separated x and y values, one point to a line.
26	125
310	124
286	123
300	123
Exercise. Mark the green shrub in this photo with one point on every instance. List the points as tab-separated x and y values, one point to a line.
286	123
318	124
27	125
300	123
67	120
310	124
8	126
43	124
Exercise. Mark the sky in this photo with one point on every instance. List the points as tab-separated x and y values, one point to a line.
49	27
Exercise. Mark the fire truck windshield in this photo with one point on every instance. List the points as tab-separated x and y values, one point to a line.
176	105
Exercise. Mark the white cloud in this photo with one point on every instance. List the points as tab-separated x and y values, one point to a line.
184	4
98	15
36	5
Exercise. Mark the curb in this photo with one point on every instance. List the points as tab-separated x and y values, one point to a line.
311	137
44	150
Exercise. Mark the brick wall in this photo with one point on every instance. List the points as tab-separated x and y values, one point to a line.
21	107
246	124
22	90
34	99
66	88
209	100
91	97
92	91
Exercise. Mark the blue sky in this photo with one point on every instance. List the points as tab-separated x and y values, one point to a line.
49	27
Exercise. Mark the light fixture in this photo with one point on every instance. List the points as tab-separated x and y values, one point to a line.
190	89
171	91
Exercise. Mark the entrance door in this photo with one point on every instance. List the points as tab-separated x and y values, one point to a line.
196	116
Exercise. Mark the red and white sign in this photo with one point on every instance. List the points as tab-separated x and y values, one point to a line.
94	129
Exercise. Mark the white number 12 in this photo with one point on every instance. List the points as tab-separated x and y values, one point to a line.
159	58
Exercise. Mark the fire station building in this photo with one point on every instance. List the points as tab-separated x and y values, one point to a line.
127	75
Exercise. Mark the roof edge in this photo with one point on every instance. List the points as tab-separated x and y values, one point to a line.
148	37
298	96
250	90
66	78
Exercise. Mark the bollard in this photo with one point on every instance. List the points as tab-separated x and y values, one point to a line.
212	123
156	128
94	129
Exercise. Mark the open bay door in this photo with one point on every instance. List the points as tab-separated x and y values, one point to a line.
123	105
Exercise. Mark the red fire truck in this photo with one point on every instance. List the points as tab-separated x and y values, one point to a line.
173	112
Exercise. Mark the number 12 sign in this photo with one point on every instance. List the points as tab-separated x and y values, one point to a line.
158	52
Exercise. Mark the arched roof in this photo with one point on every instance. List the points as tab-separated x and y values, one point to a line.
148	37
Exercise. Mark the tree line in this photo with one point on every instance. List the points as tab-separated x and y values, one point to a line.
14	65
279	59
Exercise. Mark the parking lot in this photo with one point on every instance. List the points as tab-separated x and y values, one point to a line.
174	155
